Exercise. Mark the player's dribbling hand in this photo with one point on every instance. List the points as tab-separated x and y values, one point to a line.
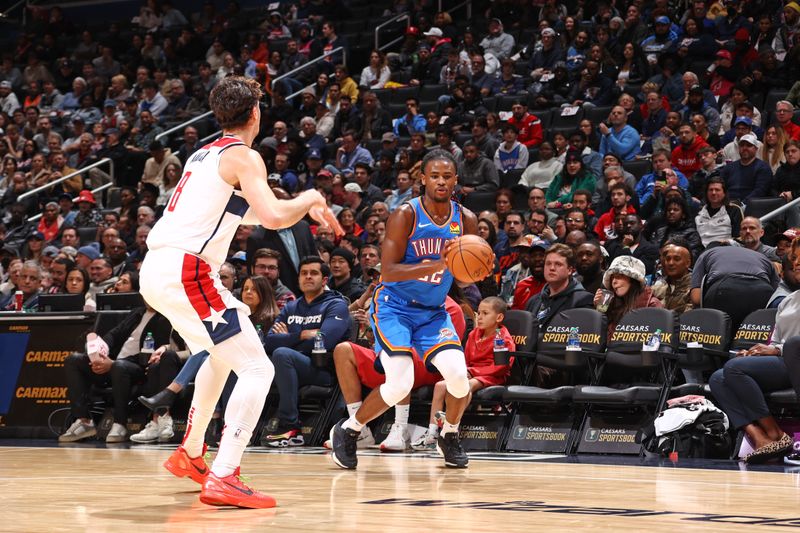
323	214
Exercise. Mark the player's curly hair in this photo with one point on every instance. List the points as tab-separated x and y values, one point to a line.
438	154
232	100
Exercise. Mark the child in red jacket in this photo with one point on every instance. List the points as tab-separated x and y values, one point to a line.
481	370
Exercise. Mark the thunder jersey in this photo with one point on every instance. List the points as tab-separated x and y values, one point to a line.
425	243
204	211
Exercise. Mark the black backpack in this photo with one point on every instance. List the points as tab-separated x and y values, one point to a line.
706	438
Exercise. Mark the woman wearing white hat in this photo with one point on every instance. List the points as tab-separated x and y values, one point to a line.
626	279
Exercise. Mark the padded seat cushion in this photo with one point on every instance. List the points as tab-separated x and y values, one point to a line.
493	393
687	389
519	393
314	392
608	395
786	396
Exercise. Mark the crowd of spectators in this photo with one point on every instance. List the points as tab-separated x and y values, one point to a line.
603	145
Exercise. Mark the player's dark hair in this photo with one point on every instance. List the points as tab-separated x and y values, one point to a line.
313	259
233	99
437	154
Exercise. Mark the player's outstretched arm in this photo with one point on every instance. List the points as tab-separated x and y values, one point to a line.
244	166
398	228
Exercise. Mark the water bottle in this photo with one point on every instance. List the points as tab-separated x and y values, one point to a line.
149	345
260	333
574	340
500	349
319	353
653	343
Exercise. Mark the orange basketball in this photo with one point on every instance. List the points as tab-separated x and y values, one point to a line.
471	259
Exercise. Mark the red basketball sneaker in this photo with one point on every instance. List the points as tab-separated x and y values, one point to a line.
230	490
181	465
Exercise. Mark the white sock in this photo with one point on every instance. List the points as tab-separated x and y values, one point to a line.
352	423
208	386
401	414
449	428
352	408
433	429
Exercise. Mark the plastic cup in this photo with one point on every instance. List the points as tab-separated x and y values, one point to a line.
605	300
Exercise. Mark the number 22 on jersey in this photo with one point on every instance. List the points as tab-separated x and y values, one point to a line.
435	278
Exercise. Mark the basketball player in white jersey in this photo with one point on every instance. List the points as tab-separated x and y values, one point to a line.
224	184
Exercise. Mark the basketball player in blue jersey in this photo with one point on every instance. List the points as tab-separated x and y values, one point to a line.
407	310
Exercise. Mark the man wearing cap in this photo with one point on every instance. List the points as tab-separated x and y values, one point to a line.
87	254
8	100
88	215
498	43
425	71
741	126
439	45
314	175
159	158
342	262
543	61
532	285
696	104
725	74
748	177
528	125
354	199
784	112
373	120
662	39
747	110
520	268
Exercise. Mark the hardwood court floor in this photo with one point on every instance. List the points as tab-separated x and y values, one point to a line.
105	489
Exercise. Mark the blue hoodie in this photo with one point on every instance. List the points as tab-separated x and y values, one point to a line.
327	313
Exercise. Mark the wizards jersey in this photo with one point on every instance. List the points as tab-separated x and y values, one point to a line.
204	211
426	243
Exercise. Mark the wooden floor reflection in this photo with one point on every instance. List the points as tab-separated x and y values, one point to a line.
98	489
